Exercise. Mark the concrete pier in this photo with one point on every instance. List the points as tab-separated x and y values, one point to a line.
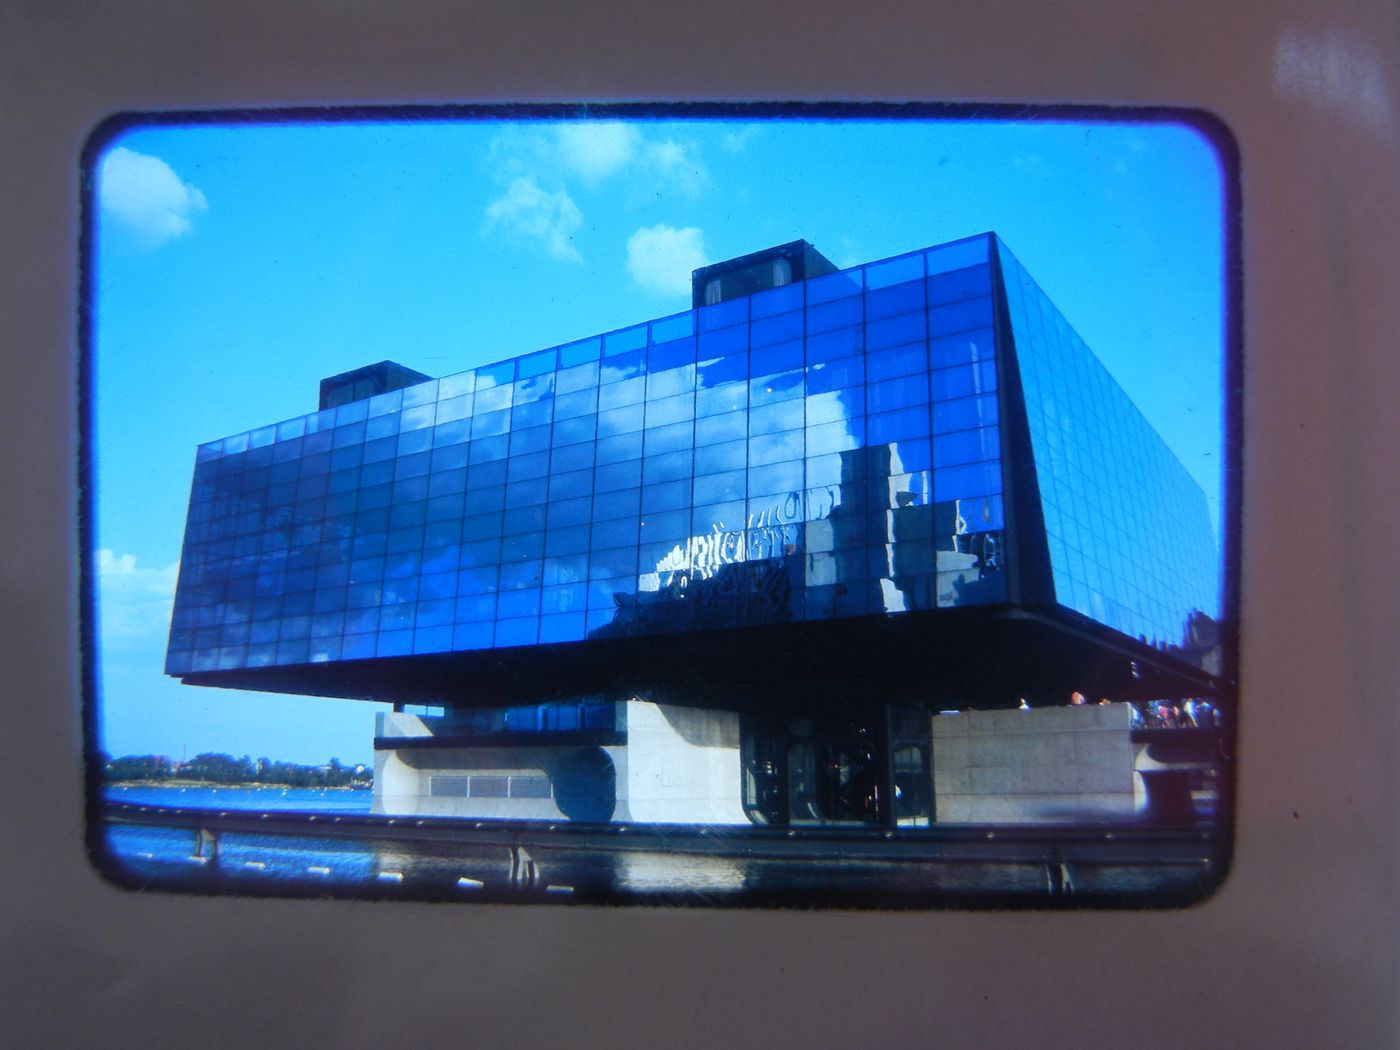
661	764
1050	765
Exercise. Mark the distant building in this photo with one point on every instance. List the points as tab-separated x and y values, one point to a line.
719	566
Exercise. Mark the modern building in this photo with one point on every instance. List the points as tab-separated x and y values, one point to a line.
722	566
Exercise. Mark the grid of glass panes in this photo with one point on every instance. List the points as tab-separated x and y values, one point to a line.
1130	538
559	717
772	456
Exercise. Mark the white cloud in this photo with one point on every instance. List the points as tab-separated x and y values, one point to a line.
676	166
595	149
660	258
145	195
528	211
134	602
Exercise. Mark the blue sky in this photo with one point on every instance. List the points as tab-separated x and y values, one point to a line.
236	266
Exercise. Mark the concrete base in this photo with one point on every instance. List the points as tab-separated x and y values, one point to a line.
677	765
523	783
1051	765
682	766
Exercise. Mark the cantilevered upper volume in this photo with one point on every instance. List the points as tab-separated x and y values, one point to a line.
906	479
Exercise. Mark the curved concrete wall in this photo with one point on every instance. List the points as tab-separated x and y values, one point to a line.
679	765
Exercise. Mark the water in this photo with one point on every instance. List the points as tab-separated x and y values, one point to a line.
159	857
168	854
317	800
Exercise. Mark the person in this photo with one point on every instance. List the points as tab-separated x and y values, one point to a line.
1024	706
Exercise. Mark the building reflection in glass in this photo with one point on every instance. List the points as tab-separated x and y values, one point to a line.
828	448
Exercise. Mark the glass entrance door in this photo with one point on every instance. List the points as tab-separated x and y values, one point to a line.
911	745
866	769
834	772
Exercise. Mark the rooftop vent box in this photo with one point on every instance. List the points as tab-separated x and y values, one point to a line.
757	272
360	383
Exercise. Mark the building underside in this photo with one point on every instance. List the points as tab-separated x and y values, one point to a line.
973	658
807	724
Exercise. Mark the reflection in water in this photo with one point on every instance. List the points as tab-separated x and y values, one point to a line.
249	863
650	872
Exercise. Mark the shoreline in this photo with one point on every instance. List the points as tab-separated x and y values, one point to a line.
250	785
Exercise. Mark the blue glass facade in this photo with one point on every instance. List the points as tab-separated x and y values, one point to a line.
831	448
1128	531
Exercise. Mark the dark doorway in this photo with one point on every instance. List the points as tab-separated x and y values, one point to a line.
870	768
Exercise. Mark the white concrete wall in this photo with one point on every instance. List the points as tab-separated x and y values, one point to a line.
679	765
1056	764
584	785
682	765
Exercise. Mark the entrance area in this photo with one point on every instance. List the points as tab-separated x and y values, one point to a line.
869	769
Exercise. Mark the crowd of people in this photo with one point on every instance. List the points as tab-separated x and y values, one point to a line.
1170	714
1159	714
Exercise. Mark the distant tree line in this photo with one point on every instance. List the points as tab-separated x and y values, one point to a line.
225	769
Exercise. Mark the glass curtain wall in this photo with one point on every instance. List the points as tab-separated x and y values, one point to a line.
1129	534
829	448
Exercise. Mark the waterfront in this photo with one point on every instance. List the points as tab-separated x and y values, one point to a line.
264	797
300	842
